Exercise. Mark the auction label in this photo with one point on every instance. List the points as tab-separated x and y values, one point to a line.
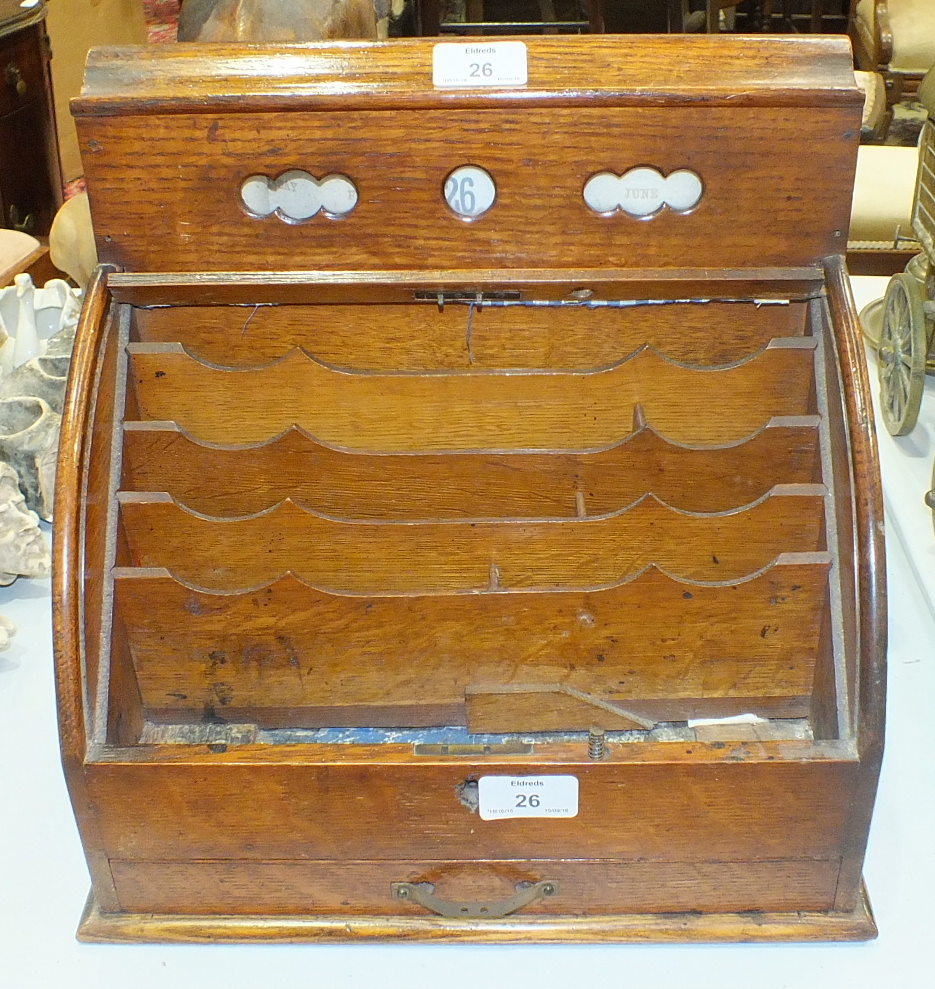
499	63
527	796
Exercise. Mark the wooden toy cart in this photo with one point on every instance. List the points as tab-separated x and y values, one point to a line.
906	346
428	445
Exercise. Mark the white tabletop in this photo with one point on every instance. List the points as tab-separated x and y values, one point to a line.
906	466
43	880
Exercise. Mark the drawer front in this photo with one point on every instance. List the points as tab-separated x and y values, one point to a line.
580	887
668	811
29	188
22	70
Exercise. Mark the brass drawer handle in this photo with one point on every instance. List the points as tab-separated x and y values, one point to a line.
424	895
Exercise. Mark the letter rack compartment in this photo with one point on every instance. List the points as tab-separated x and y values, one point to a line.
434	460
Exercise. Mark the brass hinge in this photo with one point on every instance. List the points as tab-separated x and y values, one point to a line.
476	299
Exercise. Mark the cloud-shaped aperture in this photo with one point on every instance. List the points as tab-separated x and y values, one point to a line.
297	196
643	191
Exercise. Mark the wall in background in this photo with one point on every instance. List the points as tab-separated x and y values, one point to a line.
74	27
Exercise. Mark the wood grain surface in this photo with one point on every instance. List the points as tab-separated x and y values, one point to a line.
403	287
729	804
77	564
237	114
290	646
856	924
865	648
356	888
386	557
225	481
479	411
646	71
84	454
424	338
476	519
755	210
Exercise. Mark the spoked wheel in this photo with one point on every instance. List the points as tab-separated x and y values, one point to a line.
902	352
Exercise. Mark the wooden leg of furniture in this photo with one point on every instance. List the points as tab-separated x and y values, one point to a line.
677	12
818	11
713	25
547	13
429	18
596	16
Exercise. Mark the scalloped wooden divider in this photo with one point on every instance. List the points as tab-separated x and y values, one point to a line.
240	481
449	412
424	338
400	557
278	655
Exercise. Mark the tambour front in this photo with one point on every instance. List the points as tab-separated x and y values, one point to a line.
434	460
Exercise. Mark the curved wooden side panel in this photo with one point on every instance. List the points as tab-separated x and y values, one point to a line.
870	549
400	558
866	633
450	412
261	656
422	337
223	481
69	543
80	521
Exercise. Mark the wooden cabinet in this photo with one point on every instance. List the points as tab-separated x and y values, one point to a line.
30	178
377	484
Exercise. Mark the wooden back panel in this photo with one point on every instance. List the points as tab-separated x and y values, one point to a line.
769	127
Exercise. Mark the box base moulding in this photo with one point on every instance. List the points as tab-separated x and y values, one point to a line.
748	926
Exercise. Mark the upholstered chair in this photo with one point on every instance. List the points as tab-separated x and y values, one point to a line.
896	38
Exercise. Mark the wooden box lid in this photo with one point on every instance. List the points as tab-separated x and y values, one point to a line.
768	126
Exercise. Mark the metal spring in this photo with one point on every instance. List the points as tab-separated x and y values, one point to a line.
596	743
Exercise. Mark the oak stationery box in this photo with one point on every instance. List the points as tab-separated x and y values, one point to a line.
434	459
